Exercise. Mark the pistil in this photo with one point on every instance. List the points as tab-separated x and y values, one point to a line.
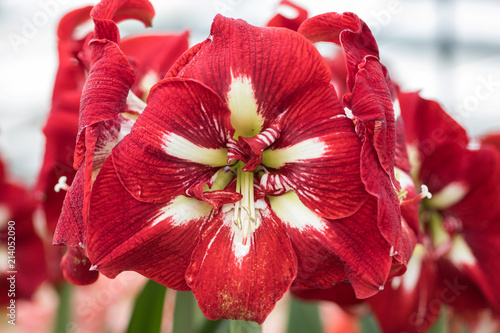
245	217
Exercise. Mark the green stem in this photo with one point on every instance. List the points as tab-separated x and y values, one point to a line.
184	321
64	310
242	326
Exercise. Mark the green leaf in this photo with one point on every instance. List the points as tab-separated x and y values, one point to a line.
148	309
369	324
304	317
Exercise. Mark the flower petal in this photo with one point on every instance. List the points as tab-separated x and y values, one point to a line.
346	30
355	240
237	57
153	240
178	142
229	285
151	56
317	154
107	12
313	242
285	22
410	303
427	127
70	229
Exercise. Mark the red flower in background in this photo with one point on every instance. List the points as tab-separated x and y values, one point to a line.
61	128
458	248
242	176
21	249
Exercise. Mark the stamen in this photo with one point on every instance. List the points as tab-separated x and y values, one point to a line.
61	184
424	194
247	222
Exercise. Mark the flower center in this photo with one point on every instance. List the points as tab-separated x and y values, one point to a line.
245	215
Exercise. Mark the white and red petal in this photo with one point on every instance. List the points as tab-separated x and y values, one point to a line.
317	154
237	58
354	240
127	234
313	242
177	143
241	281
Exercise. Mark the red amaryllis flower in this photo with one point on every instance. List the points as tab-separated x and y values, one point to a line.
461	219
21	249
240	178
144	65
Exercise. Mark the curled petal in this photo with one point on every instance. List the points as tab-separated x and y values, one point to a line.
346	30
107	12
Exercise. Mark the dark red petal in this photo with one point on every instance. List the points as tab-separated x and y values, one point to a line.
427	126
62	123
380	186
285	22
152	56
76	267
239	54
452	164
341	293
178	142
105	92
154	240
363	249
317	154
70	229
242	286
371	104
